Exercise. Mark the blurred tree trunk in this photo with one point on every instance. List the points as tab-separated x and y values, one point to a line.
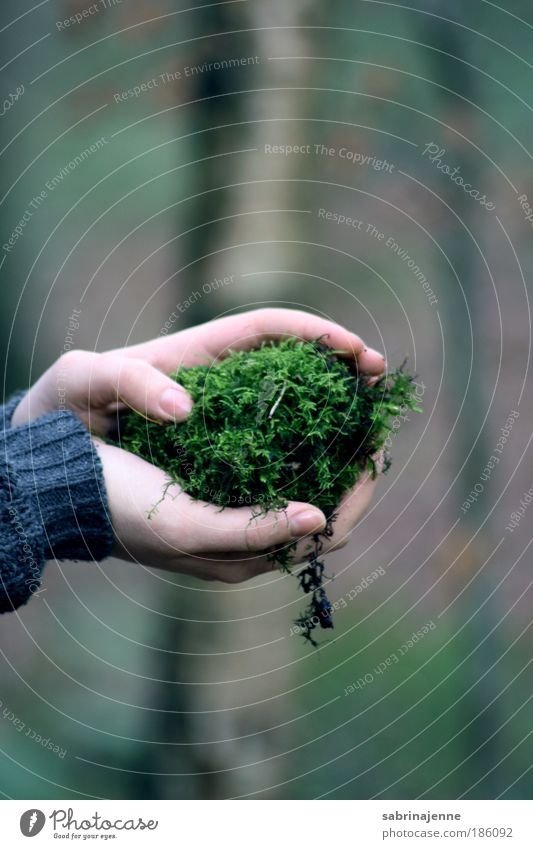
216	737
465	344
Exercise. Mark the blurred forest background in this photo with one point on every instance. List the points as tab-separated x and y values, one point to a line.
158	686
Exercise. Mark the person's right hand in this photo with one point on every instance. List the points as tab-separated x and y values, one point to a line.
200	539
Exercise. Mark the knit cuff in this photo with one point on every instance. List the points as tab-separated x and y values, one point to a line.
52	465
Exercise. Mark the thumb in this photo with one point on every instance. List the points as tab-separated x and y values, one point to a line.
141	387
240	529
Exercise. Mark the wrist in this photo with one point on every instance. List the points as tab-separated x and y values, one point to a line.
57	472
19	416
10	410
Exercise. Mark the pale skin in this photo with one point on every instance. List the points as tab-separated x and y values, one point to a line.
183	535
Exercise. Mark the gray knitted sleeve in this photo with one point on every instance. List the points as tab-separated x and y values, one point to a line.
53	503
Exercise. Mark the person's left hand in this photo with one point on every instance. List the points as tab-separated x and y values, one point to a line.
94	386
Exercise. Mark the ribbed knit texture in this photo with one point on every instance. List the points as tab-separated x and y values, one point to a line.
52	500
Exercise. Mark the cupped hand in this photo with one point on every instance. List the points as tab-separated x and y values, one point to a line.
94	386
196	538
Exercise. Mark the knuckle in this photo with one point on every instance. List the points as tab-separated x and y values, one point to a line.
74	360
249	332
259	313
125	372
264	316
115	362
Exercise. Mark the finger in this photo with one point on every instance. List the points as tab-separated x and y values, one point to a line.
245	331
239	530
143	388
227	567
249	330
371	361
352	508
355	501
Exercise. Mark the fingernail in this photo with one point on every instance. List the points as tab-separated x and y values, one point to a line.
379	460
176	403
306	522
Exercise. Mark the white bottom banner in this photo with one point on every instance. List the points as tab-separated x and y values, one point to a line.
285	826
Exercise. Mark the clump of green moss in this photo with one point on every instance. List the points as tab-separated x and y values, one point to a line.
290	421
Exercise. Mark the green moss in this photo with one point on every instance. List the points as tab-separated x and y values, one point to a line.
290	421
